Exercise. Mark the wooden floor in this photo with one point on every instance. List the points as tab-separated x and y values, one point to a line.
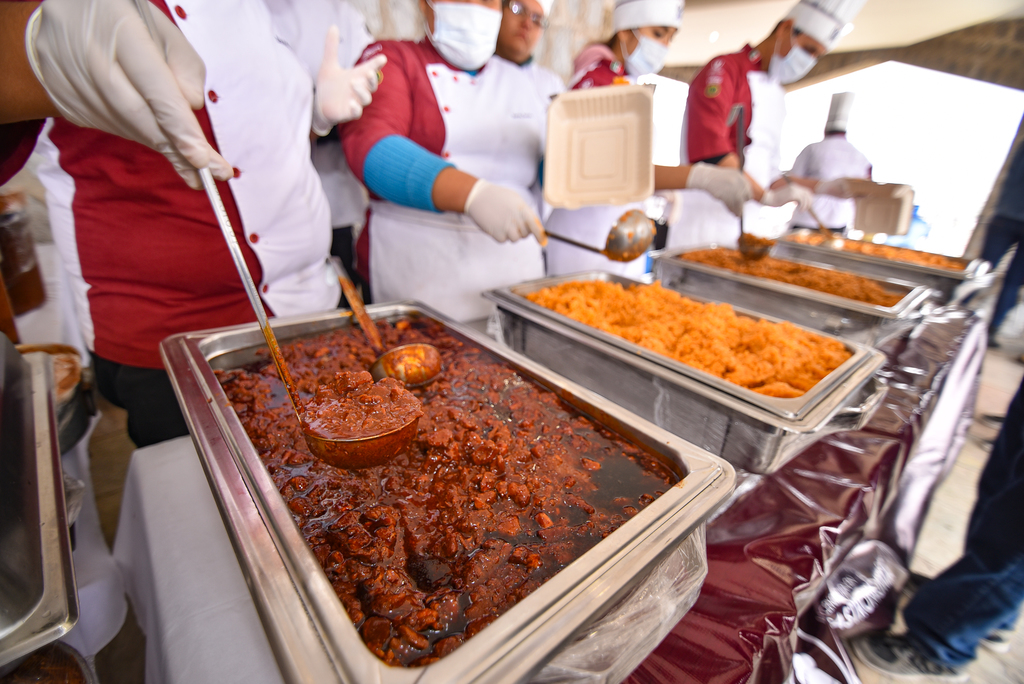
122	661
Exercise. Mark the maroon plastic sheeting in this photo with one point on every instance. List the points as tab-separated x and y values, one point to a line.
770	550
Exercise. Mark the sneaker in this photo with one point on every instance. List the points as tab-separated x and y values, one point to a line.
998	641
991	420
894	656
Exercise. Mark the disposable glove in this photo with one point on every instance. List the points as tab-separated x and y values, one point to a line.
502	213
340	93
102	69
789	193
729	185
836	188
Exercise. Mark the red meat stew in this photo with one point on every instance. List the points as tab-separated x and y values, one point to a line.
503	486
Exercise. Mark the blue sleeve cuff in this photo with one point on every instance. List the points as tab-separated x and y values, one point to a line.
402	172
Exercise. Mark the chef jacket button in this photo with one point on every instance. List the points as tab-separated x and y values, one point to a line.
445	154
254	238
235	171
446	108
180	11
455	78
212	95
433	73
265	289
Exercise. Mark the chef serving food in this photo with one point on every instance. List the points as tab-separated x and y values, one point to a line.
747	87
643	31
143	252
831	159
449	149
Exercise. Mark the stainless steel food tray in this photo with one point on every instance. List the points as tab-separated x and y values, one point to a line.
312	637
943	281
751	431
847	318
38	595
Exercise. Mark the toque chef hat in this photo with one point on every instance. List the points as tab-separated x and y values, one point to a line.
839	112
825	20
631	14
546	5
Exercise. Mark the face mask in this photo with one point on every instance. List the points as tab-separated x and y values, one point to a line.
791	67
648	57
464	34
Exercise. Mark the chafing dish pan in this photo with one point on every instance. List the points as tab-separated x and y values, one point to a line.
312	636
943	281
853	320
750	430
38	596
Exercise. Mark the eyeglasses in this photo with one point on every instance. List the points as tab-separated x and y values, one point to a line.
520	10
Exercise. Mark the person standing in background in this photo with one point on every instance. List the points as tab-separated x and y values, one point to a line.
1006	230
522	25
831	159
977	600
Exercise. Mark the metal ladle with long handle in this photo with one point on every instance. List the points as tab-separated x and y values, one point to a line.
628	239
362	452
750	246
414	364
342	453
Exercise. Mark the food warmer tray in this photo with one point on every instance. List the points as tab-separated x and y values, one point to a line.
38	594
312	636
865	323
752	431
943	281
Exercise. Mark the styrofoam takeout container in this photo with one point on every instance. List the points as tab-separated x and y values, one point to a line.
600	147
882	207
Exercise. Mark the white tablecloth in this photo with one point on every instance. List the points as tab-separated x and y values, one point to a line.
182	576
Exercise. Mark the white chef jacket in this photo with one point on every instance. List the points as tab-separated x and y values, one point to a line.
832	158
302	25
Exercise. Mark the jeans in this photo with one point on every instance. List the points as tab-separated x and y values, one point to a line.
147	395
1003	233
983	591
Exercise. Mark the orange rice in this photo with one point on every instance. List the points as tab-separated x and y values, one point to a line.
774	359
910	256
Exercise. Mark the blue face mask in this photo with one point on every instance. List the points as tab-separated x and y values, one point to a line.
791	67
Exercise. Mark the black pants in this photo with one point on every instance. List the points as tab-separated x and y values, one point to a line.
146	393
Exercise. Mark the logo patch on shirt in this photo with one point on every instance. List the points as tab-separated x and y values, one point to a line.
712	90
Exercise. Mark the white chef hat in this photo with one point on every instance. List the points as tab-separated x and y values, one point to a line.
825	20
546	5
631	14
839	112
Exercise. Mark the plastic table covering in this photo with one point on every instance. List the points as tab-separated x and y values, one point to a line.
781	535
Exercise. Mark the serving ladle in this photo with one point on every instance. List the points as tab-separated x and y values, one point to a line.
362	452
414	364
629	238
342	453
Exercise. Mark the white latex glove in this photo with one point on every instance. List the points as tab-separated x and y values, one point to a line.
103	70
836	188
502	213
340	93
729	185
789	193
